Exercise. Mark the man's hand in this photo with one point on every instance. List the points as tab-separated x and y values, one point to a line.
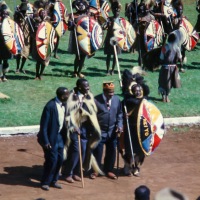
119	130
47	146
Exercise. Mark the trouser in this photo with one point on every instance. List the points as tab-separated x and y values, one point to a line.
110	153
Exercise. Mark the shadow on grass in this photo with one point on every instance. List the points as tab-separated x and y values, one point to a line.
95	71
61	51
22	175
56	63
154	99
18	77
127	60
193	67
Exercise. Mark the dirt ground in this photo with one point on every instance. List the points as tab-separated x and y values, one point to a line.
175	164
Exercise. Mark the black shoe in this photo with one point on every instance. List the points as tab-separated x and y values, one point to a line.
56	185
45	187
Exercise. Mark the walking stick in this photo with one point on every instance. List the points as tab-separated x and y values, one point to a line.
75	31
118	136
138	31
80	157
113	42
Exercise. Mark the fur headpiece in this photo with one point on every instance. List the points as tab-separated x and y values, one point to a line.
108	85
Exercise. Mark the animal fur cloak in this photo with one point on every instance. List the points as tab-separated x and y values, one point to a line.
76	113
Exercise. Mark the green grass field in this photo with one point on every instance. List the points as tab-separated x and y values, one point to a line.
28	97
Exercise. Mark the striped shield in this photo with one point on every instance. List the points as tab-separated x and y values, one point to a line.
100	8
89	35
153	37
45	40
13	35
124	33
191	36
60	21
150	127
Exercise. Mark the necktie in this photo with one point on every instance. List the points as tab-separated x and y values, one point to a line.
108	105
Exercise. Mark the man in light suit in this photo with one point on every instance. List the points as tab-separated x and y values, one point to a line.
110	119
51	137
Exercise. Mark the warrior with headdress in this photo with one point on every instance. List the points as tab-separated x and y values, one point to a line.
144	19
169	76
81	119
81	7
59	20
108	47
134	91
39	16
4	52
25	22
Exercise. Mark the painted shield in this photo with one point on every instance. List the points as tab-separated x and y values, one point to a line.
13	36
59	14
153	37
45	39
89	35
100	8
150	127
124	33
192	36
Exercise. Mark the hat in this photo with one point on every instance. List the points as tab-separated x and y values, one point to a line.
169	194
108	85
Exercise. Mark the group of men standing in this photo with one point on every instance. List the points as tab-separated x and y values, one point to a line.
96	121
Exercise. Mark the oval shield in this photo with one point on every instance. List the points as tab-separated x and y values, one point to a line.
124	33
89	35
13	36
99	8
153	37
150	127
45	39
59	14
191	35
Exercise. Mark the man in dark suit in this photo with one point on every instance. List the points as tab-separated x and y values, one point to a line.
51	137
110	119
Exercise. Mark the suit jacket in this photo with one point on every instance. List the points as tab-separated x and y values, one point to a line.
49	126
109	120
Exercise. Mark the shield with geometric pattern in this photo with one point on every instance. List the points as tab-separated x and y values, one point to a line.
150	127
99	8
124	33
59	16
153	37
13	35
192	36
45	39
89	35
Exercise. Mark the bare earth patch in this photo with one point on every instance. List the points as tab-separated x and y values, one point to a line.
175	164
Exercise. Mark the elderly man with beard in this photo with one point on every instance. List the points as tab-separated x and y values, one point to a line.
169	76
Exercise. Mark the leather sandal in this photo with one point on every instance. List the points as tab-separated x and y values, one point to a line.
111	175
93	175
